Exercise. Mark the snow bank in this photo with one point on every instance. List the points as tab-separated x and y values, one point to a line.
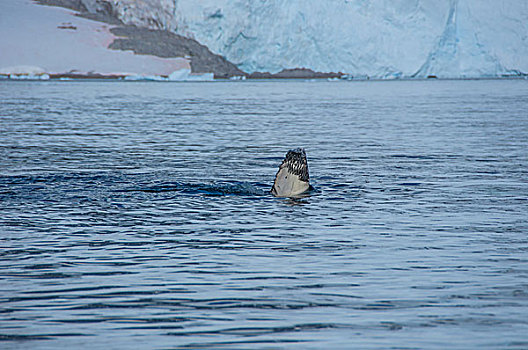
22	70
24	73
56	41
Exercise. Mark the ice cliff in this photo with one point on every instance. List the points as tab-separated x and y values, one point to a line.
374	38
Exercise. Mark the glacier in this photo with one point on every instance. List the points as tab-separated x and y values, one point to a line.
362	38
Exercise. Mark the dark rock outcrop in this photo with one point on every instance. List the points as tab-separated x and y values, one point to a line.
102	12
165	44
296	73
260	75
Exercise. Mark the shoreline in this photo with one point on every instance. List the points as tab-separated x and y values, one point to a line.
165	79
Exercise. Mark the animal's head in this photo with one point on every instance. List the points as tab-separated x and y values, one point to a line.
292	178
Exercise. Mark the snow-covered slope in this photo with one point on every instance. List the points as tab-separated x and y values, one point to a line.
376	38
36	39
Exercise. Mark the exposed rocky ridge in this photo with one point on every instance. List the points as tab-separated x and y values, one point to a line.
296	73
165	44
101	11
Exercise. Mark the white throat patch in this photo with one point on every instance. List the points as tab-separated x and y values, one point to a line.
292	179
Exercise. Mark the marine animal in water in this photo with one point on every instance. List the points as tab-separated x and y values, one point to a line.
292	179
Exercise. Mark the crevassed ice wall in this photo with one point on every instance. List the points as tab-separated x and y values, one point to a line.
383	38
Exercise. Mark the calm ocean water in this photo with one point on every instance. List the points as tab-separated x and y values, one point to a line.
137	215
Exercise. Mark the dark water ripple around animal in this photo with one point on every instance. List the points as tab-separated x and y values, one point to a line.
137	215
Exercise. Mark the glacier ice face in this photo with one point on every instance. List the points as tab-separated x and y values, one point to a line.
464	49
375	38
356	37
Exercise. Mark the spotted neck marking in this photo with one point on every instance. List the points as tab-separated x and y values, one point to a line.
292	178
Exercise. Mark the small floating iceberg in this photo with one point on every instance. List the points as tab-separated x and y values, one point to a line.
137	77
180	74
238	77
200	77
24	73
183	74
29	77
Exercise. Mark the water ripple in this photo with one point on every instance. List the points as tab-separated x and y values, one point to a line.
139	215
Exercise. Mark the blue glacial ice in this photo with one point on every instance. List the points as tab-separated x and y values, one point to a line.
381	39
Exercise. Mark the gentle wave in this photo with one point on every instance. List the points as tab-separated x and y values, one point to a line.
139	215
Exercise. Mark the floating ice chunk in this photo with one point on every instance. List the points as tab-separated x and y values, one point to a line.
180	74
24	73
154	78
391	75
137	77
184	74
29	77
201	77
132	77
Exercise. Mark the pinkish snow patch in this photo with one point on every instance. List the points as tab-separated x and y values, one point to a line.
59	42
